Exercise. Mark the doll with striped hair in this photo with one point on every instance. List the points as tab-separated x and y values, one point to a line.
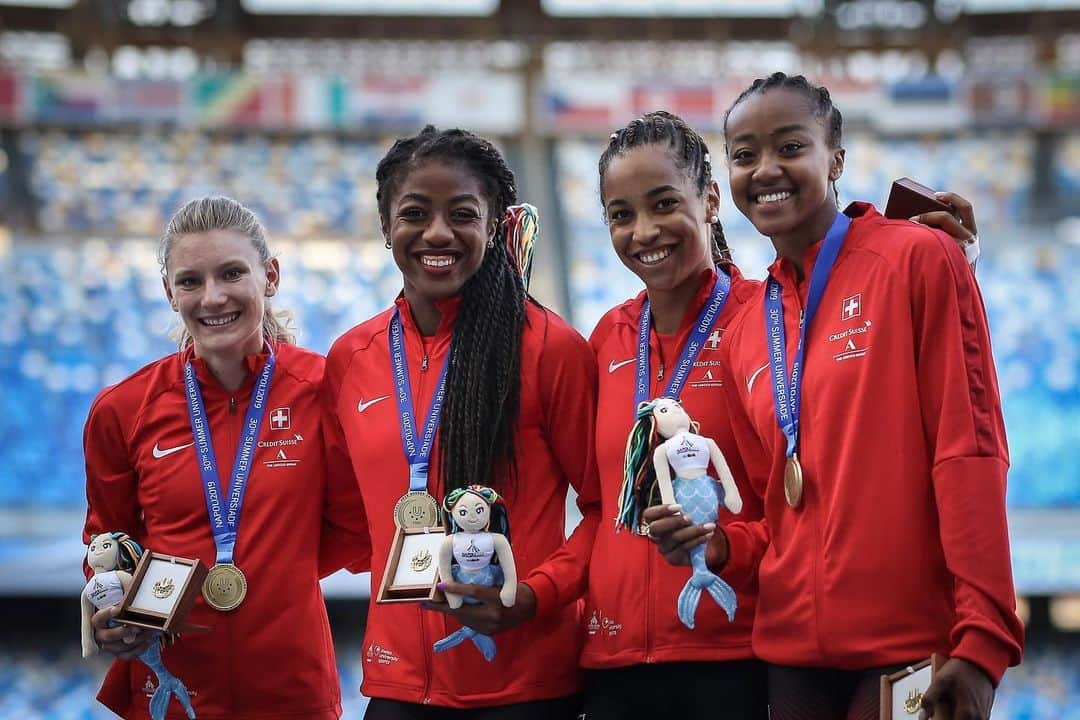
665	438
472	553
113	557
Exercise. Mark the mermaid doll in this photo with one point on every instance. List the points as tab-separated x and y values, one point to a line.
113	556
700	495
467	554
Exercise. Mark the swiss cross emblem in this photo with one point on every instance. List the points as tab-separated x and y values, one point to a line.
281	419
851	307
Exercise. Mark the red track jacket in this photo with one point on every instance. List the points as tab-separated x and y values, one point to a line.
538	659
900	547
631	604
272	657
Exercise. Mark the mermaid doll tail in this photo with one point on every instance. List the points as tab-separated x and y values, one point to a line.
724	595
168	684
484	643
703	579
486	575
453	639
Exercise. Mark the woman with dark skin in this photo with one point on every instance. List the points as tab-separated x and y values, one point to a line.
660	202
853	495
516	415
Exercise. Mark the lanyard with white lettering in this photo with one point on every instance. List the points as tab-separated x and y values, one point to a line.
418	456
785	394
702	327
224	524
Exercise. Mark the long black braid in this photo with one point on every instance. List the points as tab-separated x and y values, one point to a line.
483	381
687	150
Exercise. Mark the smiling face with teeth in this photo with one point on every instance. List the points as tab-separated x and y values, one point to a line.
218	284
438	223
657	220
782	168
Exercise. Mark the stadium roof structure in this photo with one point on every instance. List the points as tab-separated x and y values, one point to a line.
824	27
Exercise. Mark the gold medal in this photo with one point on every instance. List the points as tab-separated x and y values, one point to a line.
225	587
416	510
163	588
421	561
793	482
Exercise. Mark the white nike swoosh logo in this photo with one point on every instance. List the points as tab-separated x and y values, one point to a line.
159	453
362	406
613	366
750	380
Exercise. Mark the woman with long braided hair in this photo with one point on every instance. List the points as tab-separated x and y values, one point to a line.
661	202
510	388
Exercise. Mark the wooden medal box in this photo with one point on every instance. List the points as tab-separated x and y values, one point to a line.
902	692
412	570
162	592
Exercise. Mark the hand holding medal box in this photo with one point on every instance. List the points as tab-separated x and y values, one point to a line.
158	597
663	436
411	570
911	200
902	692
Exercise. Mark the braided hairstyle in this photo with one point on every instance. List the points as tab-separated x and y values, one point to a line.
483	382
821	105
686	149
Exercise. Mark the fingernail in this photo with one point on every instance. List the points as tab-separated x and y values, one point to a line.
914	218
441	586
674	508
709	526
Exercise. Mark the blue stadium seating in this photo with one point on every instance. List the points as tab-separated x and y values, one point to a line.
82	315
131	182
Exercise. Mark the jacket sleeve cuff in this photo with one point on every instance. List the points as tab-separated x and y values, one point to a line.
547	595
983	650
740	567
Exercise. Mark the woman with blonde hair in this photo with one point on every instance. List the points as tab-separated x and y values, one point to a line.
238	396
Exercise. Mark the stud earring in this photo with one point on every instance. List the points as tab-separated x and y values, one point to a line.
714	219
387	243
490	243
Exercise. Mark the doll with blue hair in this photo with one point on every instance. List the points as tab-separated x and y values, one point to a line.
113	557
664	433
473	553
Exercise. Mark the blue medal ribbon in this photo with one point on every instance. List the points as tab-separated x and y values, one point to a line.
703	326
785	394
224	524
417	455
